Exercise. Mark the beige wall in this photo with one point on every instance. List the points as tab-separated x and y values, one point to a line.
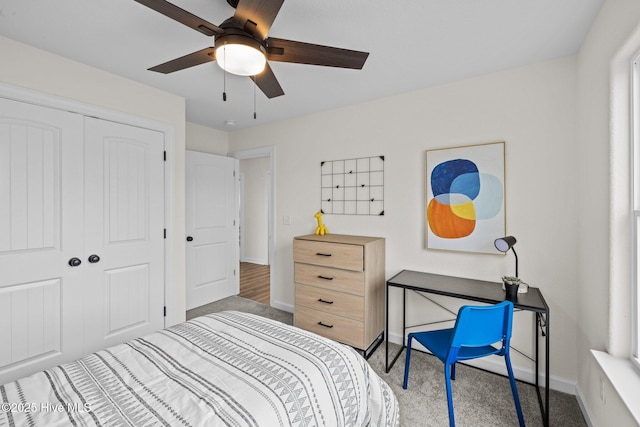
531	108
40	71
206	140
604	248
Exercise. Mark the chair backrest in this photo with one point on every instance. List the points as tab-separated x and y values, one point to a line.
478	326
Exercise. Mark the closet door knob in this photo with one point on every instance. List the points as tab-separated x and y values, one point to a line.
94	258
189	239
74	262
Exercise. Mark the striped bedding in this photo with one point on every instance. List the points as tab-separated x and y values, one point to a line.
224	369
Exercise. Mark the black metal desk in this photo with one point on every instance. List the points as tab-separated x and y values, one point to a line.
478	291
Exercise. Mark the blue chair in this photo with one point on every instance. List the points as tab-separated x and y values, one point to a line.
476	331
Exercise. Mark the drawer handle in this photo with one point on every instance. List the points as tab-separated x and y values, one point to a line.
321	254
325	277
325	301
325	325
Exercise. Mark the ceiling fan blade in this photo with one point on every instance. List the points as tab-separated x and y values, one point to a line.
187	61
268	83
182	16
261	12
314	54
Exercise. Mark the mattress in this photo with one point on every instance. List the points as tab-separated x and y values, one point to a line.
224	369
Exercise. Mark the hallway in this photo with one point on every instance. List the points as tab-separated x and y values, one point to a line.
255	282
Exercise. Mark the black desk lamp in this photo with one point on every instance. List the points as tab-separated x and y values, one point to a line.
503	244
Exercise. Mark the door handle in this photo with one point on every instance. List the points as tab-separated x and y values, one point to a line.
94	258
189	239
74	262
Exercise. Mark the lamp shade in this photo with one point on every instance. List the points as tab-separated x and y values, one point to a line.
503	244
240	55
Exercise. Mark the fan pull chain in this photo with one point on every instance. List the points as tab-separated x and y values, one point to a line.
254	97
224	74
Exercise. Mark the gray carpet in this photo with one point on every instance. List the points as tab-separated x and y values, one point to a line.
480	398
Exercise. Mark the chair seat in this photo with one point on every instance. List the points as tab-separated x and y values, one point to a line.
438	342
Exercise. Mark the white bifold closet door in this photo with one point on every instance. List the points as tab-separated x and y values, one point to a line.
72	187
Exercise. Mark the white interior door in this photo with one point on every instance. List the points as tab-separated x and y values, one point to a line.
41	229
124	232
212	228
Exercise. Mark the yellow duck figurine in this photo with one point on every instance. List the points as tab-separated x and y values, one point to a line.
321	229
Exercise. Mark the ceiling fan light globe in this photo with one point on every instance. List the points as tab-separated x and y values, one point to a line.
240	59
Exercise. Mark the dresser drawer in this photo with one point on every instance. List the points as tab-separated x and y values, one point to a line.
347	331
330	278
349	257
332	302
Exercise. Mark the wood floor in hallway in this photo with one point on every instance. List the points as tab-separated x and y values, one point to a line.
255	282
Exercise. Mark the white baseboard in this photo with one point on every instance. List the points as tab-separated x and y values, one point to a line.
584	408
555	383
282	306
255	261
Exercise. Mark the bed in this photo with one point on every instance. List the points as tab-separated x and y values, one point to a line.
223	369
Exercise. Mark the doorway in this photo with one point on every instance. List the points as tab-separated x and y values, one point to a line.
256	223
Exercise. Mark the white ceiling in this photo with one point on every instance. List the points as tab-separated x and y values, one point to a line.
412	43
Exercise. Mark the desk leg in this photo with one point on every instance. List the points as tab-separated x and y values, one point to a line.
404	315
546	371
386	330
542	320
536	321
386	361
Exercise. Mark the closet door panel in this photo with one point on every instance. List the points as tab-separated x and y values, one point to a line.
35	308
40	230
124	223
127	295
29	185
127	189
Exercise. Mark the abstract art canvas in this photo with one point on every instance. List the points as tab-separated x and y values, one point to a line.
465	197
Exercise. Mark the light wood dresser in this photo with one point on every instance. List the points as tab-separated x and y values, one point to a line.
339	285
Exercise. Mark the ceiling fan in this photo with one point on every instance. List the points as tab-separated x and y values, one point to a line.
241	45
